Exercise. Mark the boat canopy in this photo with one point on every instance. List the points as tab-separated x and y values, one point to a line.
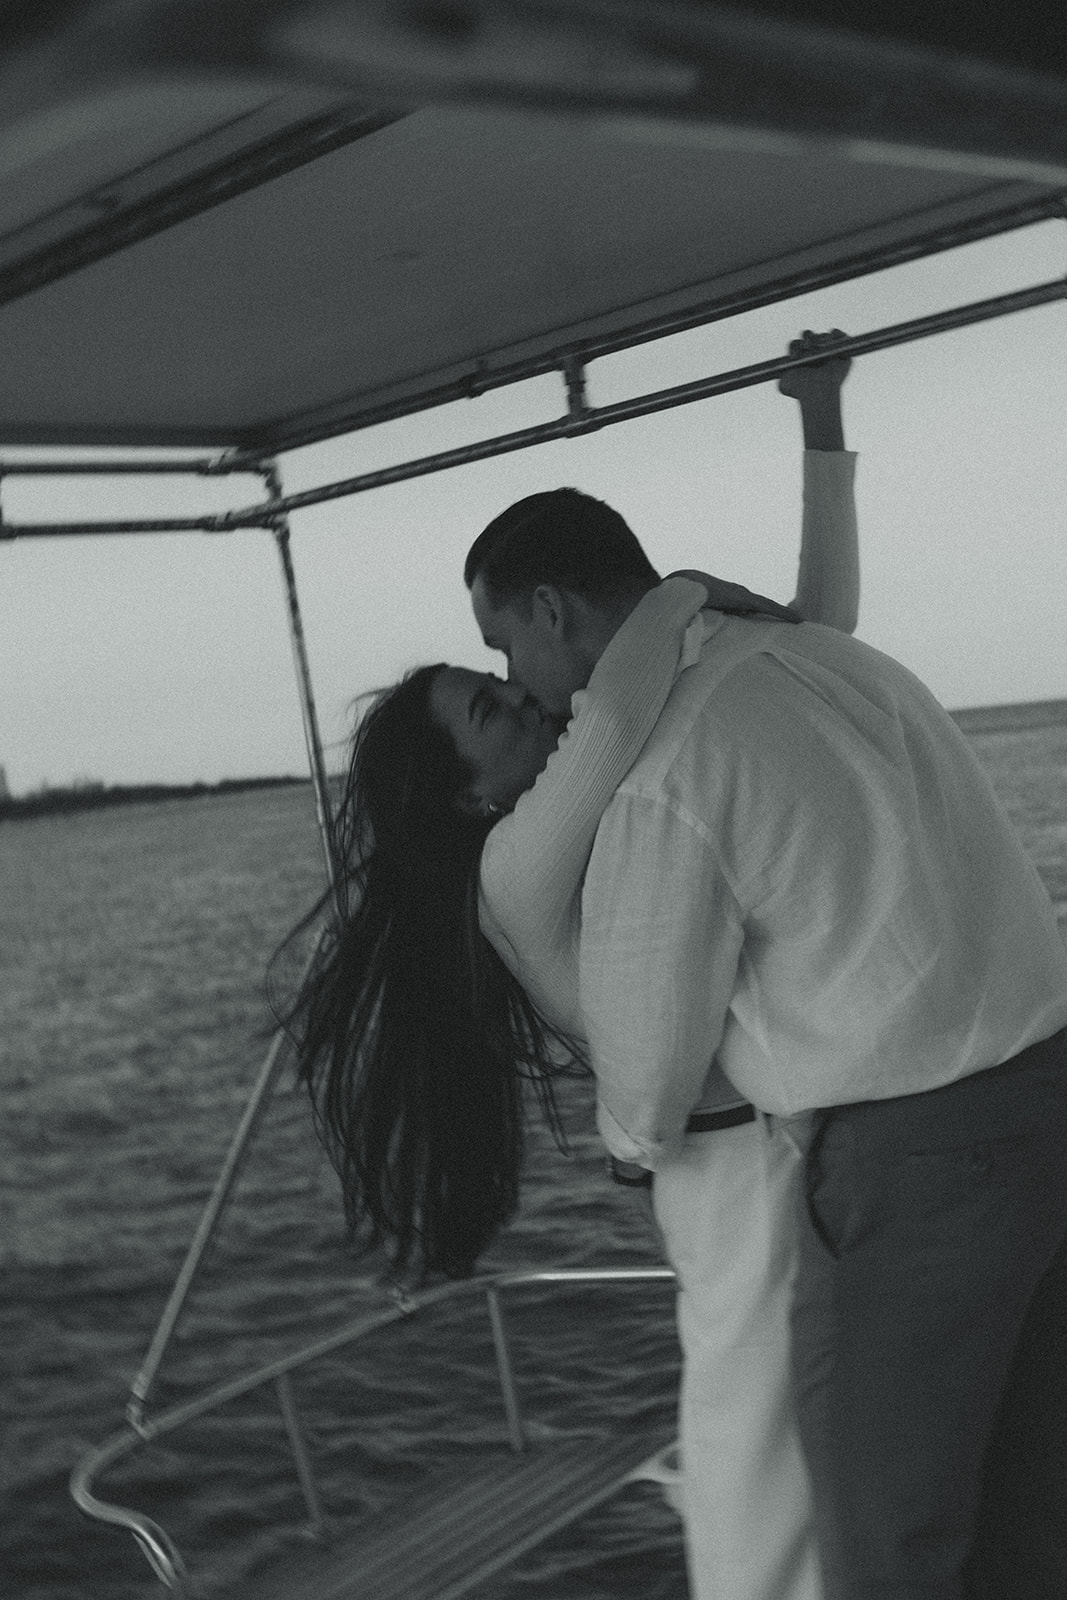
256	239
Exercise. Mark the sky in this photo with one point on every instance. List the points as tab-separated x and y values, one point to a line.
134	659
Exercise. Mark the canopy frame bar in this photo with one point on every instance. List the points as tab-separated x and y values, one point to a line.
663	325
266	1079
302	669
216	466
580	418
247	446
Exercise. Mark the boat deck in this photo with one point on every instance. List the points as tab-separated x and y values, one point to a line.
439	1544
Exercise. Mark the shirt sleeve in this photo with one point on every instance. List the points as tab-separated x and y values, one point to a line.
533	861
828	576
661	940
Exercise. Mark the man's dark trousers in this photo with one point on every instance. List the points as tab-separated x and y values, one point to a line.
930	1338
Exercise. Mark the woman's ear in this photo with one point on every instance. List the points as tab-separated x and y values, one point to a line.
469	803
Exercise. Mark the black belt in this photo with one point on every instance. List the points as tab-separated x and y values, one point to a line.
708	1121
699	1122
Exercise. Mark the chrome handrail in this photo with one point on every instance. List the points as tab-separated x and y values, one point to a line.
161	1551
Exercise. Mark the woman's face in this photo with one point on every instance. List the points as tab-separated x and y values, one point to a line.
497	728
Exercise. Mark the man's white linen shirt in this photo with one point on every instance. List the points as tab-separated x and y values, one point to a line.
806	877
534	860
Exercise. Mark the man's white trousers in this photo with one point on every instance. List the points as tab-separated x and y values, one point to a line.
725	1207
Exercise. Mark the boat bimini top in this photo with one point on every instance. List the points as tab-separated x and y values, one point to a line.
244	227
249	227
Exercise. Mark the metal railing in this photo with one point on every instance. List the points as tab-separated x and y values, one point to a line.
157	1545
579	418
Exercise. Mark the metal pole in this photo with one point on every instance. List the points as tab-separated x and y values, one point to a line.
506	1371
312	738
177	1416
264	1084
582	419
157	1546
283	1386
579	419
223	522
250	1120
201	466
484	380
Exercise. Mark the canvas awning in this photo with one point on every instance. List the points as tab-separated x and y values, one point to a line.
196	249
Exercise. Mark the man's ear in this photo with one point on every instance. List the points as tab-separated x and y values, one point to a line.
549	608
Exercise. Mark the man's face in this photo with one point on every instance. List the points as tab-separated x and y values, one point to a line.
539	653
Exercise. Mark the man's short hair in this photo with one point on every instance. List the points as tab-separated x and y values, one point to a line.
562	537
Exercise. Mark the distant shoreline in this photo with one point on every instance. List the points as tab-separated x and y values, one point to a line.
92	797
995	719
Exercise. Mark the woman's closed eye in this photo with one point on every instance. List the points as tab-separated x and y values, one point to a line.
483	706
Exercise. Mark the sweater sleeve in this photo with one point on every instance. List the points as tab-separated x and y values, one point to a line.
534	859
828	579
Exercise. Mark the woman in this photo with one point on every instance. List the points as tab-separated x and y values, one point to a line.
413	1035
410	1027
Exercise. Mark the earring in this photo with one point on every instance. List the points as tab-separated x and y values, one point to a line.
492	809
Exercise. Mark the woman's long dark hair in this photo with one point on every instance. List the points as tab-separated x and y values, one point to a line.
412	1036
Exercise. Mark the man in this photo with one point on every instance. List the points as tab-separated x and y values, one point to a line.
805	880
745	1488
